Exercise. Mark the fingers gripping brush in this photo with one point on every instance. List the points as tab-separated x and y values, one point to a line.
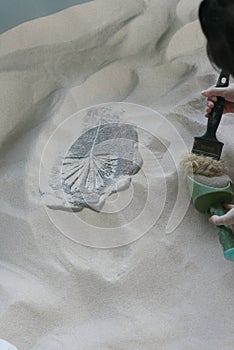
210	188
206	151
208	145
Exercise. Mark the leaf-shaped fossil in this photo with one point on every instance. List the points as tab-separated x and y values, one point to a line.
101	161
98	159
88	173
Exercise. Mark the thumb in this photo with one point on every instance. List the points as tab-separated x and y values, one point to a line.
223	219
214	91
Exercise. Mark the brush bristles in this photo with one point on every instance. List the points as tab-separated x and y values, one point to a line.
206	166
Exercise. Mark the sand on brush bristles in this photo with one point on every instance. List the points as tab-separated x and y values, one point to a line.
202	165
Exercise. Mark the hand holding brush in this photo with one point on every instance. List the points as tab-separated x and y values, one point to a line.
214	92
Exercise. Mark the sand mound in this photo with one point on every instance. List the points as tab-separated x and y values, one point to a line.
187	11
153	293
187	40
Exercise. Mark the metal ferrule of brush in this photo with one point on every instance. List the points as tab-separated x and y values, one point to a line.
208	145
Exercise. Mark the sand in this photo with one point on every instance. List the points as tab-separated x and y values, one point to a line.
165	285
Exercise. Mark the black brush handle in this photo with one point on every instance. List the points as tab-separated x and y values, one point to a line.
216	113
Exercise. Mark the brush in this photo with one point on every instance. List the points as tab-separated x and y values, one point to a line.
207	149
208	145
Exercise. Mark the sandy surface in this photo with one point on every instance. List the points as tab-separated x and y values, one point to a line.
169	289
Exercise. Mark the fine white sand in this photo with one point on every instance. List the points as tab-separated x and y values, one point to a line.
171	289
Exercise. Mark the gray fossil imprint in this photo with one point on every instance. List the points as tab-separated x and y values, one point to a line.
100	162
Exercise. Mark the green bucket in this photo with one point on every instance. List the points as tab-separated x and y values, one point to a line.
208	199
204	196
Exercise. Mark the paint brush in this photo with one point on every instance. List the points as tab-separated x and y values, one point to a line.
208	145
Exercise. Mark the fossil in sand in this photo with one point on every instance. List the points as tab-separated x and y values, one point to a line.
100	162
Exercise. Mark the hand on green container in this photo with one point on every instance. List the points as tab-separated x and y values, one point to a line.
226	219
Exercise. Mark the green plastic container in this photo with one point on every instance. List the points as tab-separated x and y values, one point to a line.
208	199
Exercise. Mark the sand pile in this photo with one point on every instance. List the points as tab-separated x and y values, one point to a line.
170	288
